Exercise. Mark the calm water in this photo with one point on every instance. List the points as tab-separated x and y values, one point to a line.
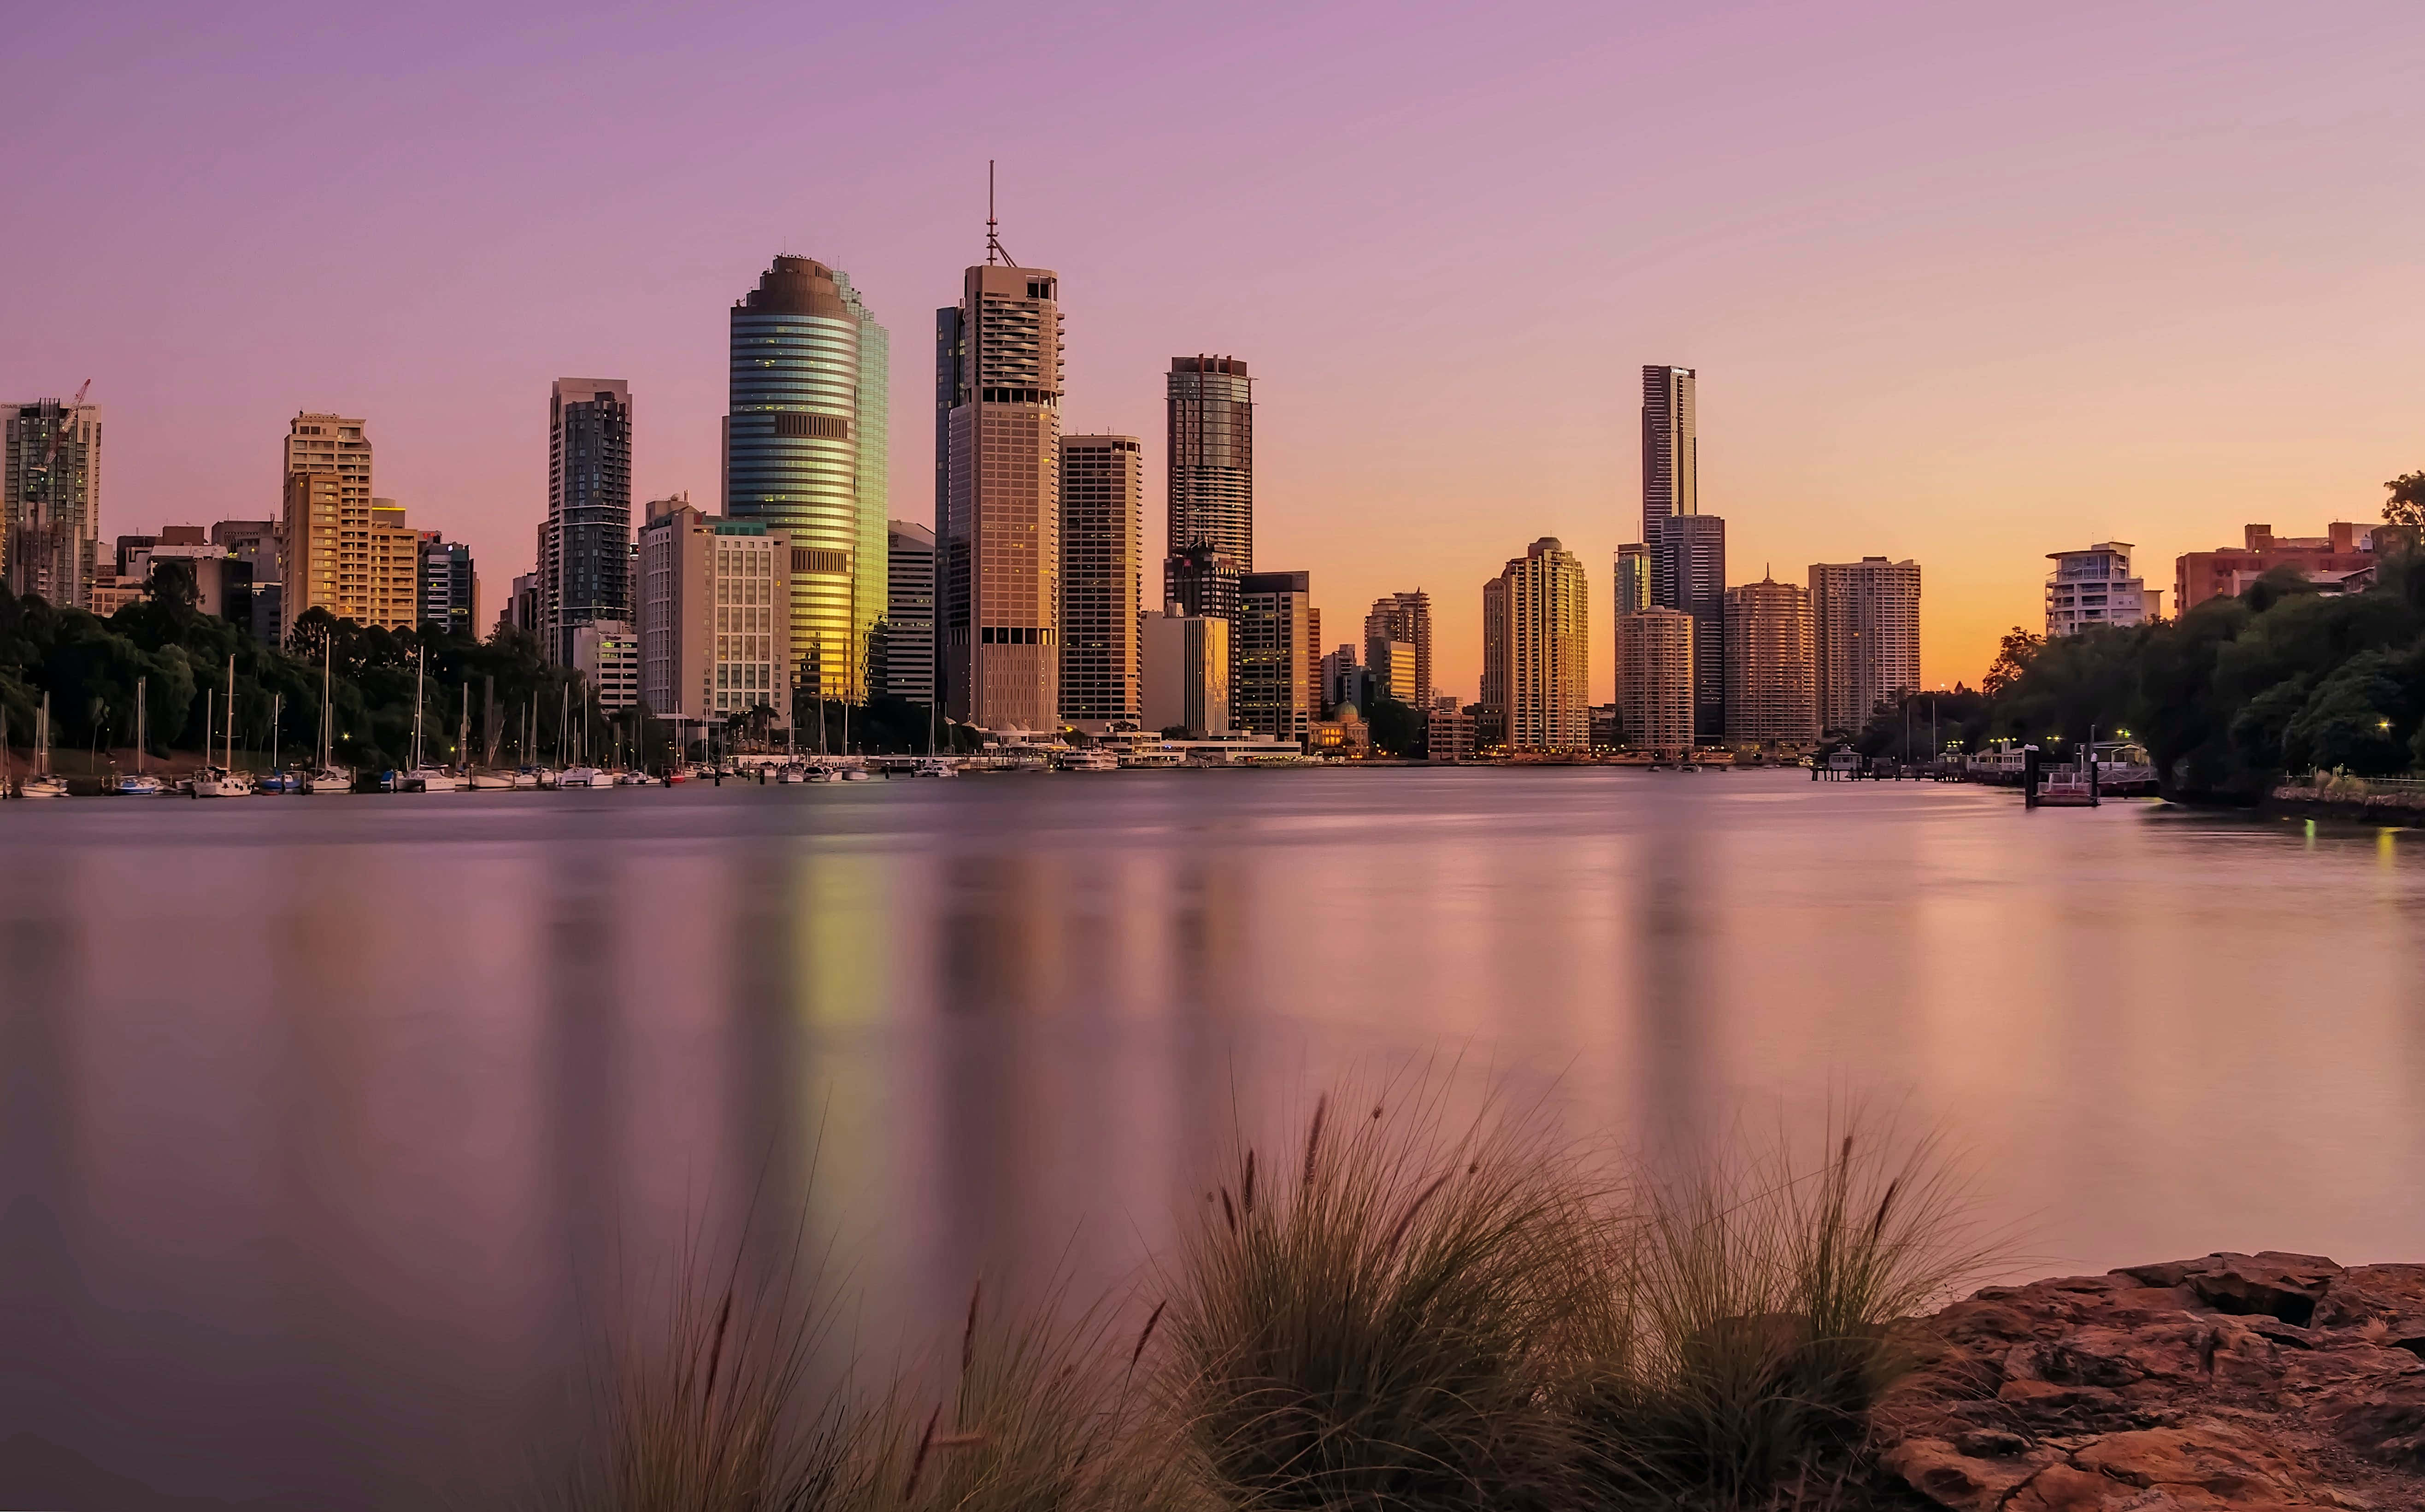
321	1117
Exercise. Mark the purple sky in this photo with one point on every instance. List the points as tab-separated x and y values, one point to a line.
1966	284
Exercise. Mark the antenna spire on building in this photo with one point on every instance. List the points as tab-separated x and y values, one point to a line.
993	243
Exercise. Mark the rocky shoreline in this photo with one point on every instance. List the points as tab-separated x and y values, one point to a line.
2236	1383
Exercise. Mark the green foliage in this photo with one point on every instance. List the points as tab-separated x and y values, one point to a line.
2013	657
91	667
2406	504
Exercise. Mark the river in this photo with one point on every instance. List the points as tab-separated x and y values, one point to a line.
325	1119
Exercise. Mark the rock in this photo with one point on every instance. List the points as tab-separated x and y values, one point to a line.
2270	1382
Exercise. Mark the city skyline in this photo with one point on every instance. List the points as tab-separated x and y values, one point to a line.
1932	327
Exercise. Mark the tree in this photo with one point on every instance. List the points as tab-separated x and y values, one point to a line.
2406	505
2013	657
1396	729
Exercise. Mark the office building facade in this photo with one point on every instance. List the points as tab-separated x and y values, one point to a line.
1772	681
1670	461
1637	578
1654	680
998	380
1865	638
585	556
906	667
1693	548
606	652
1402	618
1102	578
450	596
325	525
50	501
1490	727
804	435
2326	560
1272	680
1203	581
1211	404
714	642
1449	732
1187	675
1544	649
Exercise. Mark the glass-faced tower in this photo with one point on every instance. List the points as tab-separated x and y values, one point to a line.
794	457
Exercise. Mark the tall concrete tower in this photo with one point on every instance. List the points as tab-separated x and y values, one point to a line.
997	494
1212	483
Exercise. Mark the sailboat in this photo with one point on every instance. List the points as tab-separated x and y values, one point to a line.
138	783
419	777
220	782
44	783
580	773
486	775
327	777
278	779
933	765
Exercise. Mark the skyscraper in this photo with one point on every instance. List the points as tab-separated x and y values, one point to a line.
1654	680
337	540
1211	492
1404	619
997	494
1187	674
1637	578
585	563
449	598
712	639
1864	636
1491	727
1771	693
908	670
50	501
1544	648
1271	692
1102	575
1671	459
1693	553
808	404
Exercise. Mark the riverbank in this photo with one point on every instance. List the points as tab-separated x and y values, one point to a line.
2256	1383
2374	799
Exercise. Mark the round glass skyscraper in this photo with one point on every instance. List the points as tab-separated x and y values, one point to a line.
792	458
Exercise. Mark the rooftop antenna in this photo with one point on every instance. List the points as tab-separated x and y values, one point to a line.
993	243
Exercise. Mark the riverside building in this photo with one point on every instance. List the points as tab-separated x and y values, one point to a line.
1211	404
714	643
1542	648
1401	620
803	454
1186	674
997	489
1102	571
326	520
1694	552
1274	668
1865	638
2327	560
1671	463
907	668
1771	690
584	547
50	501
1637	578
2093	588
1654	680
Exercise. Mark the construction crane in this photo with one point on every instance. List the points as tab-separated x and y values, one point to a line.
57	432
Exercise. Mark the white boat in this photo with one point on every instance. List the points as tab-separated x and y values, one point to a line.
329	779
219	782
792	772
280	782
1088	761
936	767
42	782
428	780
856	774
580	777
43	787
633	779
136	786
480	781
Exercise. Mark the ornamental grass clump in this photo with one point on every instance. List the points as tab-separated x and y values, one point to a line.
1756	1303
1379	1315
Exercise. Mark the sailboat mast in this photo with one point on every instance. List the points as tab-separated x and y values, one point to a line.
277	701
230	763
420	671
141	683
327	715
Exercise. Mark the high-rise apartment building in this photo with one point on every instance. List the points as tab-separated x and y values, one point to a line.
805	443
908	643
325	524
1654	680
1187	674
1637	578
1402	618
997	490
1271	689
1693	550
1865	636
450	596
1772	688
50	501
1544	648
1203	581
1491	727
1211	483
585	557
1671	460
606	652
1102	577
394	595
2093	587
713	632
